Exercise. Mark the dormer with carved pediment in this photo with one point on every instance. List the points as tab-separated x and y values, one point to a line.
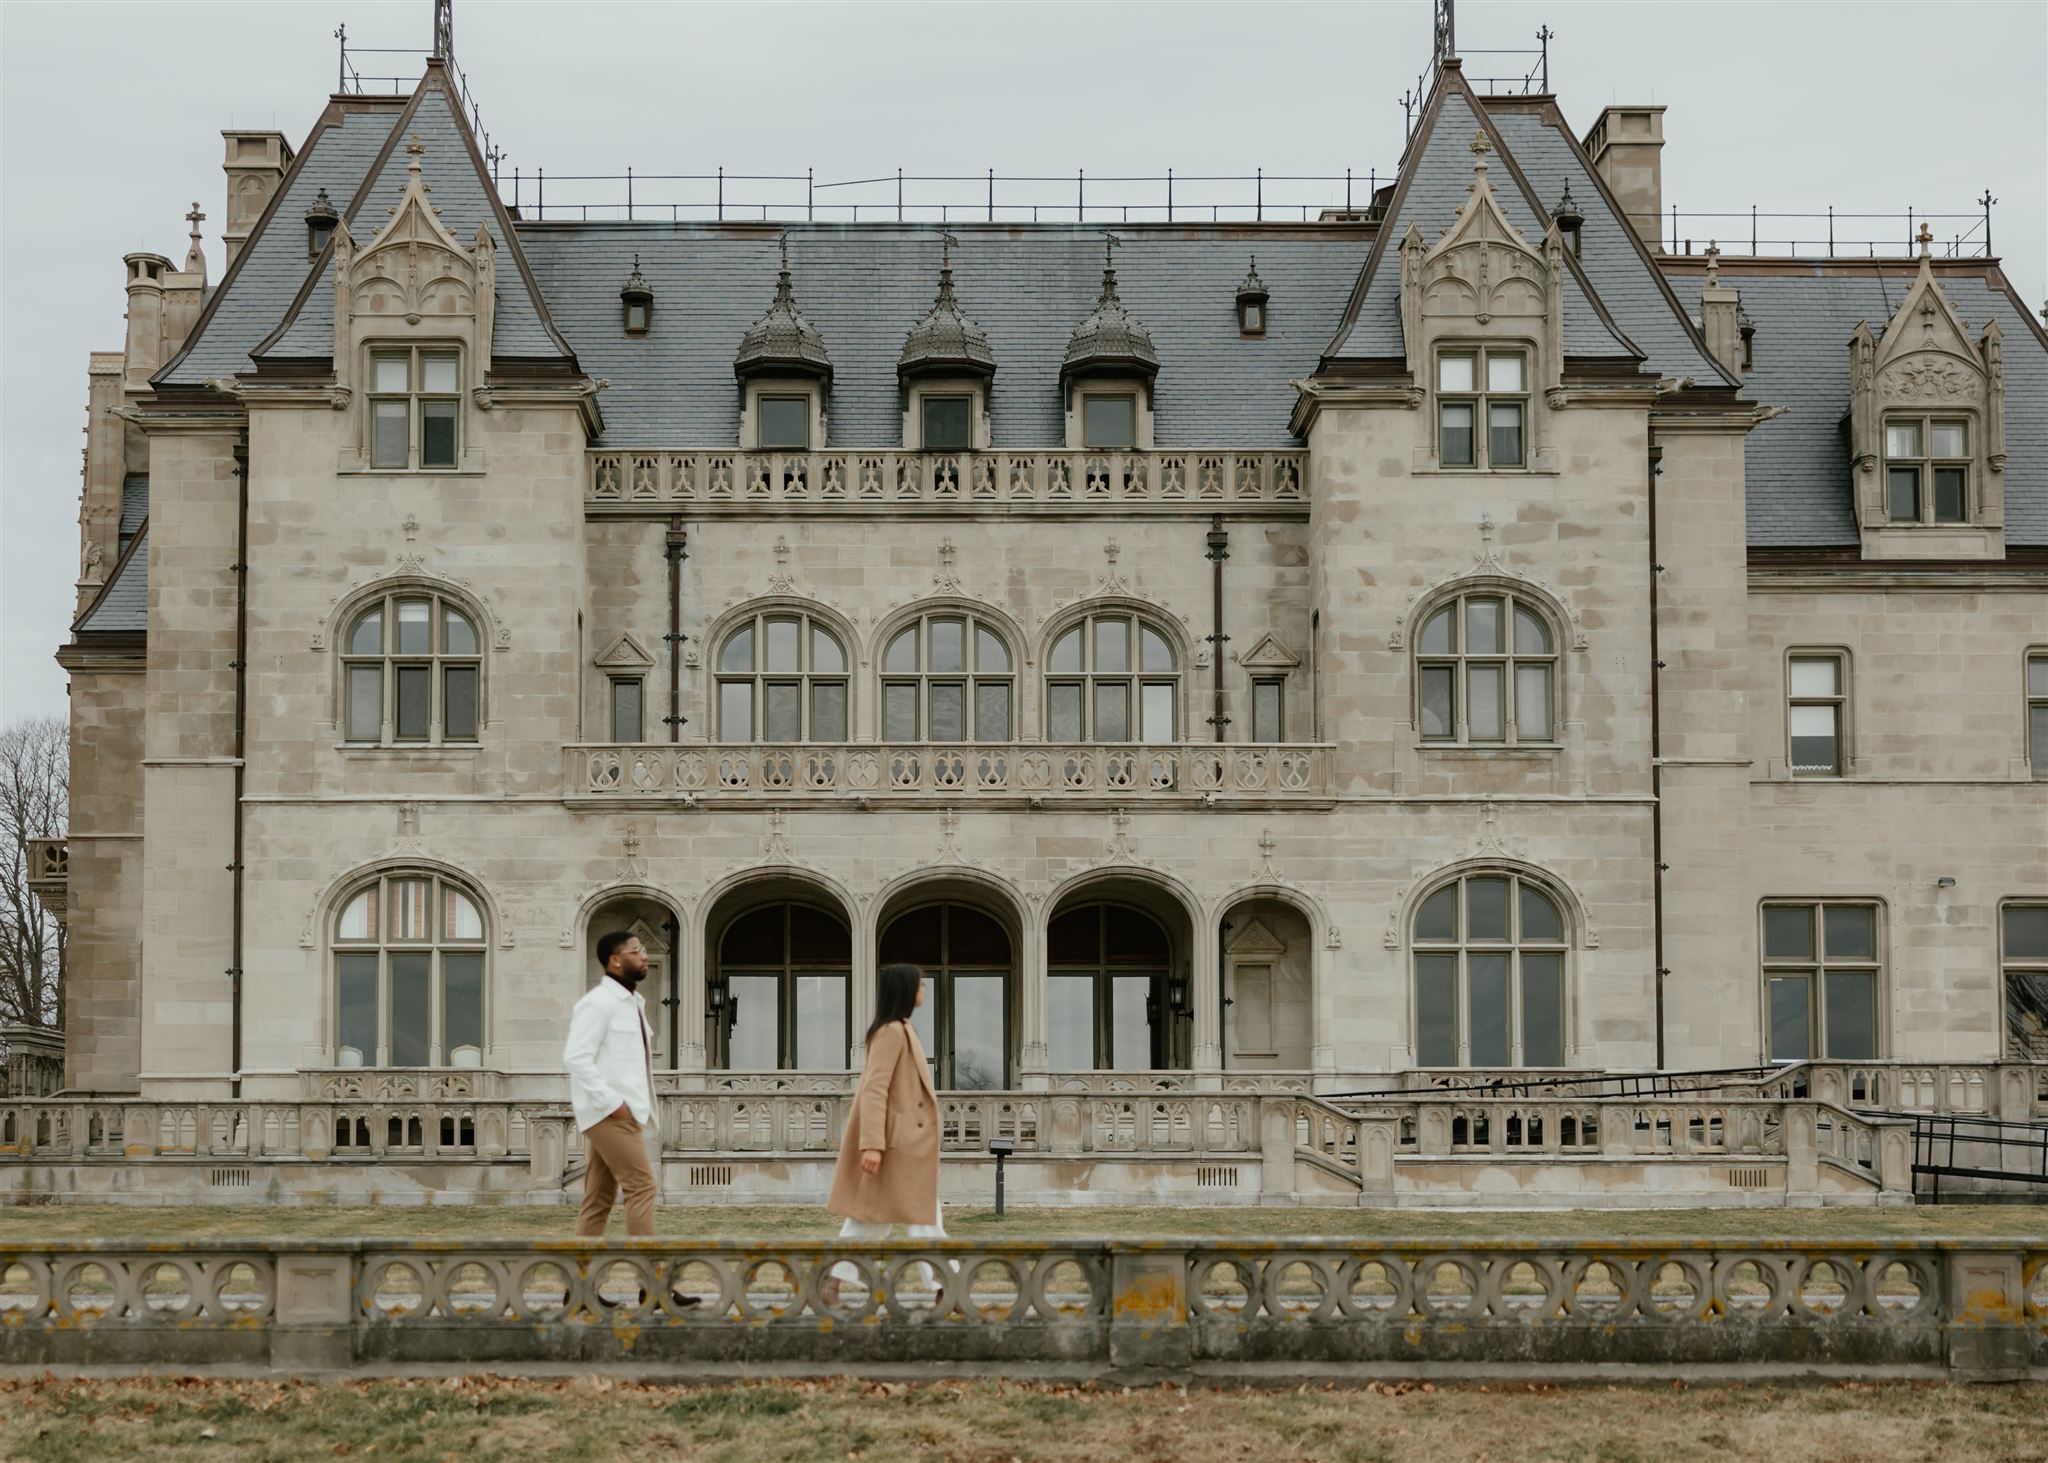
1482	318
1927	430
412	335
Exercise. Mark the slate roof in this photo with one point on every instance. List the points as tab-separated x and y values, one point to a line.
1436	183
261	284
1626	281
1798	464
864	287
134	507
123	602
463	195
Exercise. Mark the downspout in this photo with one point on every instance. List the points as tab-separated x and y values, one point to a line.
1656	466
1219	550
677	549
240	666
674	1000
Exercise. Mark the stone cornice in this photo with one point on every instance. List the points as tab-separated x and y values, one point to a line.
1901	578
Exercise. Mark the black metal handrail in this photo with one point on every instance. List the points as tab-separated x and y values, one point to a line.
1626	1084
1935	1136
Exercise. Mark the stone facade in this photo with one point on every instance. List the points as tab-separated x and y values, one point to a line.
1282	849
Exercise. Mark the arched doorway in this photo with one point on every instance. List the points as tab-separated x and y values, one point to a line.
969	963
1268	987
1117	990
656	927
778	996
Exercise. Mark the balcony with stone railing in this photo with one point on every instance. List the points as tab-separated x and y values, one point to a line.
49	873
1166	480
984	774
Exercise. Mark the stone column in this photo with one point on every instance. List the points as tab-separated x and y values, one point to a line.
1033	1055
1206	991
686	969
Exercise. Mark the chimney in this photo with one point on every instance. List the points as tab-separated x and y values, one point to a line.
1720	314
145	351
255	165
1624	144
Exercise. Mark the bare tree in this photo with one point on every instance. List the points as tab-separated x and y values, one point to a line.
34	803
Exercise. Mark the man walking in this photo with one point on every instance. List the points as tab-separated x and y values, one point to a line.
611	1088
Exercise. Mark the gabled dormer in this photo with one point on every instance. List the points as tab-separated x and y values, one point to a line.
1927	430
1482	322
412	334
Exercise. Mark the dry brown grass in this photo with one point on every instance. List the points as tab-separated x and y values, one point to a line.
487	1419
31	1223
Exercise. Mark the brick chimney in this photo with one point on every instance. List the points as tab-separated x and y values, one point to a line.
1624	144
255	165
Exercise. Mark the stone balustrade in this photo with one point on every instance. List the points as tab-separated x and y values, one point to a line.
1172	478
1022	773
49	874
1245	1309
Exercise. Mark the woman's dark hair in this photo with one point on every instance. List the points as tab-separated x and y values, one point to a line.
895	995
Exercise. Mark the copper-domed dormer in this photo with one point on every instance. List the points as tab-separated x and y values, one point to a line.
1110	355
782	342
945	368
784	372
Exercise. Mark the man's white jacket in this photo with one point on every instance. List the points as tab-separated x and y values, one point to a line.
607	1056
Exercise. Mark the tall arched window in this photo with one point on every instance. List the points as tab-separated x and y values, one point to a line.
412	670
965	1019
1113	1002
1486	670
948	678
1489	975
780	997
1112	677
409	974
781	678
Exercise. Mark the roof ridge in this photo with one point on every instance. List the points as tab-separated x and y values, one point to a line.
434	79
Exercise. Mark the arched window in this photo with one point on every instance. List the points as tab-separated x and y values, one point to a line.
964	1023
1112	677
412	670
781	678
1489	975
1486	670
1113	1002
409	974
780	998
948	678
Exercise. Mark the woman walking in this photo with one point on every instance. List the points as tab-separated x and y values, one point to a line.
888	1168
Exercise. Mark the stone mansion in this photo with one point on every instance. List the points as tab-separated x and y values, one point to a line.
1453	637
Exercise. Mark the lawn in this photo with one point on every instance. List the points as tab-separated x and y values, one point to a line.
484	1419
27	1224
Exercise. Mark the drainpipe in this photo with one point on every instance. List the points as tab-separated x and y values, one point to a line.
676	549
240	666
1219	550
1656	466
674	999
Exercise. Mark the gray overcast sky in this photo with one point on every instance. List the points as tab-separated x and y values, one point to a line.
110	117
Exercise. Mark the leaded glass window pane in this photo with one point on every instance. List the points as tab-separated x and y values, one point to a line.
411	1028
1540	920
738	652
415	697
991	656
1484	712
992	711
736	711
1436	1010
901	656
1487	1010
1066	651
781	712
899	712
1440	632
1112	646
1156	654
356	1017
1063	711
1532	703
1438	710
1482	627
368	636
1112	712
458	635
415	634
437	433
1486	909
1438	917
782	645
365	703
827	658
458	710
462	1002
949	711
1542	1010
1266	711
1532	636
626	710
949	646
828	711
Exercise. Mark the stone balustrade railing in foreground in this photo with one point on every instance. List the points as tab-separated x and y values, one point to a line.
1241	1309
1166	478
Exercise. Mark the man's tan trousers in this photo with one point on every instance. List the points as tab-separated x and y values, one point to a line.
617	1147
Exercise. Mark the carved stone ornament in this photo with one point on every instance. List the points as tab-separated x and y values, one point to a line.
1489	567
1483	272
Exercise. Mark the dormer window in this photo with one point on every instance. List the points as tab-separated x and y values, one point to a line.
320	221
948	423
1109	422
1927	470
1482	403
636	301
414	409
785	423
1251	303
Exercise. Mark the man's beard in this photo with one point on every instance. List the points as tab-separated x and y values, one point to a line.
631	978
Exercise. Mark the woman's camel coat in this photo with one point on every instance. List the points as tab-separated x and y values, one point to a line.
895	1110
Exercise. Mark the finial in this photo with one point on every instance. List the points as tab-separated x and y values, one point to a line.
415	147
1481	147
783	242
946	243
194	218
1109	246
1713	262
1925	239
